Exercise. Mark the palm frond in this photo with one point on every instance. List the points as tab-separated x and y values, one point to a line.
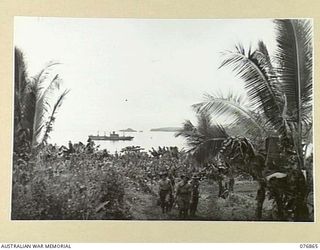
20	83
205	139
43	104
232	108
294	57
33	99
260	81
20	74
52	117
44	88
41	77
187	128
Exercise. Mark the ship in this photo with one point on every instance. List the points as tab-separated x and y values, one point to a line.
112	137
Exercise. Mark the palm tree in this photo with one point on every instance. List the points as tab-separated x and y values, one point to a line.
208	141
36	103
235	112
294	57
205	139
280	88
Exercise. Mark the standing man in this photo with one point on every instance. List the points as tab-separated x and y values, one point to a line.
165	192
172	181
71	148
183	196
194	194
231	176
90	146
220	180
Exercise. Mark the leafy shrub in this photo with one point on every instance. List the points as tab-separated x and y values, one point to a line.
71	189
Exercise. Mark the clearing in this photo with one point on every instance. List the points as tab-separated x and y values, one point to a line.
239	206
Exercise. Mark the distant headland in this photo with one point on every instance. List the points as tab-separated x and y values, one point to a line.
128	130
166	129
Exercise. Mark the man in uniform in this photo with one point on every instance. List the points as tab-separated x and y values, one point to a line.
183	196
220	180
165	192
194	194
171	176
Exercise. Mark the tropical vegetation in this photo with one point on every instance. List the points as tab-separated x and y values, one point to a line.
37	100
83	182
279	90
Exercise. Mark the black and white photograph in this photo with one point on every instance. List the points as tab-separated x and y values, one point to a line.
163	119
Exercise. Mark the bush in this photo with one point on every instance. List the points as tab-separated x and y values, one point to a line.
76	189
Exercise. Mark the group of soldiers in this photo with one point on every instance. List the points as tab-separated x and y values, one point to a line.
184	195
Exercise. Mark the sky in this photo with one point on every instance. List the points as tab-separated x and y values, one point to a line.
137	73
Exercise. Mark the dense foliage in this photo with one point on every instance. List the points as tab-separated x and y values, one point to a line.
57	184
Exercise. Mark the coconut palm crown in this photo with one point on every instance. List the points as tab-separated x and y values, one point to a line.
279	88
36	102
204	139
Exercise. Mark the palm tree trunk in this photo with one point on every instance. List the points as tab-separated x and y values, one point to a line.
298	66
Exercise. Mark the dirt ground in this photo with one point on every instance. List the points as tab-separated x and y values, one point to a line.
239	206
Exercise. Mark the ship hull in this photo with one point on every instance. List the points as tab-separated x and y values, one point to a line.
108	138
